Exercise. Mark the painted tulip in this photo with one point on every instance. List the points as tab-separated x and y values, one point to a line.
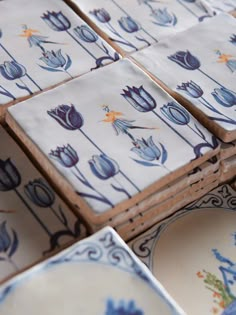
233	39
86	34
9	176
176	113
128	24
5	240
67	116
224	97
65	155
139	98
101	15
146	149
191	89
122	308
12	70
186	60
164	18
40	193
53	59
103	167
56	21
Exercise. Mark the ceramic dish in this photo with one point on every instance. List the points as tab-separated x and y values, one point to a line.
193	253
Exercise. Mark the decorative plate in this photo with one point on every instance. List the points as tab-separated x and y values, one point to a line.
34	221
193	254
99	275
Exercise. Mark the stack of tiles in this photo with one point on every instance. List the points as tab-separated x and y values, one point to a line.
44	44
227	161
192	253
132	25
101	270
118	147
204	79
34	220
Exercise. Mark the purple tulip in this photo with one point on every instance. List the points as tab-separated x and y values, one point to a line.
86	34
103	167
128	24
224	97
191	89
56	21
12	70
67	116
186	60
40	193
9	176
65	155
176	113
101	15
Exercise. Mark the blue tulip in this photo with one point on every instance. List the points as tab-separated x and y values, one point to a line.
40	193
176	113
9	176
56	21
146	149
233	39
122	308
67	116
128	24
224	97
5	240
103	167
101	15
0	33
65	155
53	59
163	18
139	98
191	89
186	60
12	70
86	34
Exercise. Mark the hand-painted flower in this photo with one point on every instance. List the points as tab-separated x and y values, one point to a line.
5	240
101	15
67	116
86	34
40	193
56	21
139	98
9	176
103	167
12	70
128	24
123	308
65	155
191	89
176	113
233	39
146	149
224	97
53	59
164	18
186	60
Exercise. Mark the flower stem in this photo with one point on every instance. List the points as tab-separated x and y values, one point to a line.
68	74
26	87
33	213
210	78
122	187
7	93
78	42
199	135
59	218
142	39
179	134
166	168
13	264
94	144
186	8
155	40
28	76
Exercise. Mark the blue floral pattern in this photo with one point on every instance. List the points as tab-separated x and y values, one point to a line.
122	308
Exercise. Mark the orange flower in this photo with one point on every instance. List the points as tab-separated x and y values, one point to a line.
216	295
200	275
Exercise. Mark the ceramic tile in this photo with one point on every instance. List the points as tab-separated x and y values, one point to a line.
193	253
34	221
110	150
44	44
134	24
227	150
221	5
123	284
228	169
204	74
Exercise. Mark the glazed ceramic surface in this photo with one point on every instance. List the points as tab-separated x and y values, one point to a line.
193	253
111	145
222	5
34	221
204	74
100	269
45	43
135	24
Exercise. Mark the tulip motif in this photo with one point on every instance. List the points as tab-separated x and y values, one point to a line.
191	89
224	97
86	34
10	178
65	155
40	193
164	18
8	244
128	24
186	60
139	98
123	308
101	15
176	113
233	39
103	167
67	116
56	21
55	60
